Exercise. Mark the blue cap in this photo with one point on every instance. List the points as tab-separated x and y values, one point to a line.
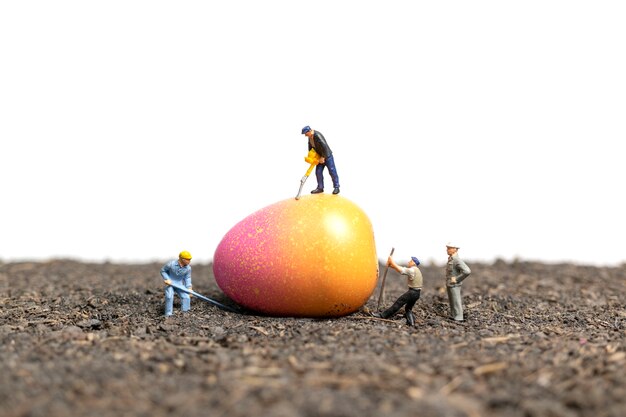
306	129
417	261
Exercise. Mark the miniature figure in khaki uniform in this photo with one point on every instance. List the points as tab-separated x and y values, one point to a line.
456	272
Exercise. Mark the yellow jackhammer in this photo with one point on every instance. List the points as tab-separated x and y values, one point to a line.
312	158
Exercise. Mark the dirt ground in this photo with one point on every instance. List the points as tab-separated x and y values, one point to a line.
90	340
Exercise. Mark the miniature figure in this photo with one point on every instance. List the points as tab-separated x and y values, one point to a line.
409	298
177	273
318	142
456	272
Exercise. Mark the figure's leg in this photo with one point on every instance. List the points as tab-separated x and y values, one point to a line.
450	301
319	174
408	308
332	170
410	318
456	304
169	300
459	303
185	301
402	300
414	296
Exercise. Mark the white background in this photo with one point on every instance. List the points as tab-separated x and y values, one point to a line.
131	130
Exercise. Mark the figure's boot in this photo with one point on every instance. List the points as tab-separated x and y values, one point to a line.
384	314
410	318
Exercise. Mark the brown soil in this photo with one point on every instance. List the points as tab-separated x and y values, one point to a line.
90	340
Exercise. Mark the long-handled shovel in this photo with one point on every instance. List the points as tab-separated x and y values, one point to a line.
202	297
313	159
381	295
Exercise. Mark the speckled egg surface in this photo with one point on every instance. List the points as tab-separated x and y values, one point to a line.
313	257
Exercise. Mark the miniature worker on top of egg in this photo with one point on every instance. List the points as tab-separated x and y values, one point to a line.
177	272
318	142
410	297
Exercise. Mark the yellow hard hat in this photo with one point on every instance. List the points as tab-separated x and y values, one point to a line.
185	255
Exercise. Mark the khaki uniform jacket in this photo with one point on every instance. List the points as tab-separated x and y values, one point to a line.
456	268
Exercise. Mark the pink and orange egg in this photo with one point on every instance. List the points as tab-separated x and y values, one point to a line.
313	257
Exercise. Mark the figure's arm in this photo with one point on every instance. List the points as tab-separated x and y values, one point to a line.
394	265
187	280
321	147
465	271
165	275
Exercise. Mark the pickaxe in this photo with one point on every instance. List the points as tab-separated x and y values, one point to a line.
381	296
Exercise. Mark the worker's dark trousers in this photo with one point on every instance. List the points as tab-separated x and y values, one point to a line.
319	173
408	300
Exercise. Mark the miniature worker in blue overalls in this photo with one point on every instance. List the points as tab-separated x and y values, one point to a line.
409	298
177	272
456	272
318	142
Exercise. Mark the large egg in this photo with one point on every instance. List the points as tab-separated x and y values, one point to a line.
313	257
